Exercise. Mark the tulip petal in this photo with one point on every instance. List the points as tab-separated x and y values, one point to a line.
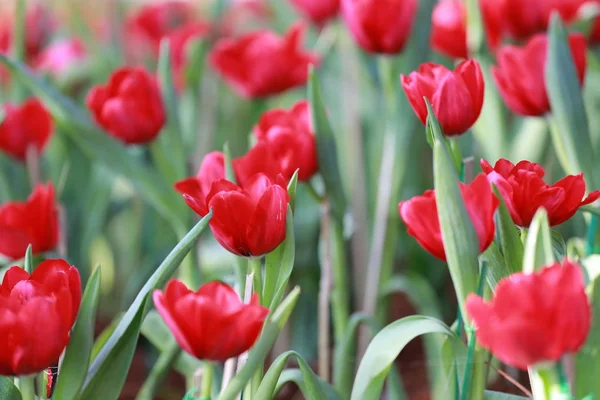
267	226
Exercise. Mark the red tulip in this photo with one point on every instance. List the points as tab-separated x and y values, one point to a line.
421	217
260	64
260	159
37	312
319	11
40	25
449	28
61	57
521	70
513	19
195	190
129	107
290	137
524	191
155	21
534	318
212	323
179	41
380	26
34	222
456	96
23	126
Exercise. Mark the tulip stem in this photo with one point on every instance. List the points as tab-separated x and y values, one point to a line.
254	267
591	234
207	377
26	387
159	372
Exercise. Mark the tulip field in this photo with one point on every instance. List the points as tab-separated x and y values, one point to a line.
300	199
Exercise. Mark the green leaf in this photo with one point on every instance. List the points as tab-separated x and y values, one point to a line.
156	331
100	146
8	390
496	265
77	356
569	127
587	361
105	335
345	355
28	263
419	291
140	306
559	247
262	347
296	376
512	246
326	148
538	245
460	240
292	188
313	388
108	378
489	395
229	172
286	265
385	348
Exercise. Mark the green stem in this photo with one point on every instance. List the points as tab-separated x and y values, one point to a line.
159	372
26	386
340	298
18	44
591	234
254	267
549	382
456	154
207	378
272	267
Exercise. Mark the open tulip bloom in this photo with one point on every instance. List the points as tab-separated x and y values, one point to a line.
243	185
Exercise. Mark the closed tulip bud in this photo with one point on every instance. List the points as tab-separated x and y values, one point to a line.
129	106
290	137
319	11
449	28
524	191
421	216
262	63
24	126
520	73
534	318
456	96
37	312
34	222
380	26
196	189
212	323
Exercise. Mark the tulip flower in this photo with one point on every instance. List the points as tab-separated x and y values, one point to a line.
449	28
59	58
380	26
515	20
37	312
25	125
248	221
261	63
456	96
154	21
534	318
421	216
129	106
34	222
520	73
318	11
290	137
40	25
524	191
195	190
179	41
212	323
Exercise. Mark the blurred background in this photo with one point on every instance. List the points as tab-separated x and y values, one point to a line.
109	226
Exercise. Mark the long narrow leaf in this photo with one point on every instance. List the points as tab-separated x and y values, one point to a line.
538	246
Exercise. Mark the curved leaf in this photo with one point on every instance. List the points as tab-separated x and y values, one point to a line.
311	387
538	245
77	356
385	348
512	246
140	306
8	390
296	376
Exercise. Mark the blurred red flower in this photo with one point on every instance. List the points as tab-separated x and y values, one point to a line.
60	57
534	318
129	106
261	63
380	26
421	216
449	28
28	124
34	222
222	326
37	312
520	73
179	41
524	191
456	96
318	11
